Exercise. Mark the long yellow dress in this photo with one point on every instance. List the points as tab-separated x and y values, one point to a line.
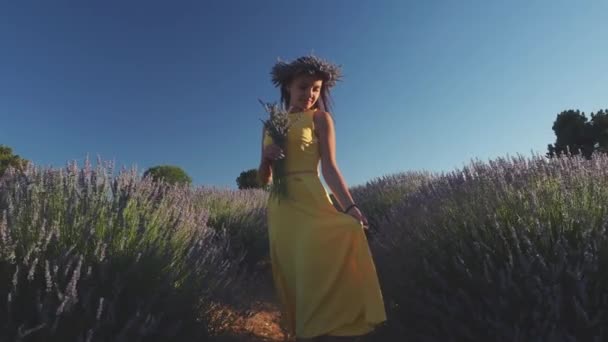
322	267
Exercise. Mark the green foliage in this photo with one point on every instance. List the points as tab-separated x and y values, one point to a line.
248	180
513	250
169	174
7	158
241	215
576	134
377	196
87	256
599	123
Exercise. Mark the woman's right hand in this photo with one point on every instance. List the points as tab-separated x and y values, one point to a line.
358	215
273	152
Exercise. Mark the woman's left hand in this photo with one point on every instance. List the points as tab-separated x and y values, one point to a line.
357	214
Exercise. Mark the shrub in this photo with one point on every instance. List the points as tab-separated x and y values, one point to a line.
86	256
511	250
377	196
242	214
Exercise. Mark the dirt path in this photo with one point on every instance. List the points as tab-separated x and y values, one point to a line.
263	323
262	326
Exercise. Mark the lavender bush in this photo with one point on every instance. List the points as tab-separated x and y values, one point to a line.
242	215
378	195
86	256
510	250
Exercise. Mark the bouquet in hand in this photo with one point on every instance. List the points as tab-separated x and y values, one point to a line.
277	127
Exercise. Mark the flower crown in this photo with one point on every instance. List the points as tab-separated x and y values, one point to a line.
282	72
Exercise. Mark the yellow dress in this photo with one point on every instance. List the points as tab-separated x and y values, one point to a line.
322	267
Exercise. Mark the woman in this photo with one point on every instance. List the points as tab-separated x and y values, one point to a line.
322	267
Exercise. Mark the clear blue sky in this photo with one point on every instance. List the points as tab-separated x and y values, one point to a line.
428	85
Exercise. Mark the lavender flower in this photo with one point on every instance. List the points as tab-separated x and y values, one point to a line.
277	127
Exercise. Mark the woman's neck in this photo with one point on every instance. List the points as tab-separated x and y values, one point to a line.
294	110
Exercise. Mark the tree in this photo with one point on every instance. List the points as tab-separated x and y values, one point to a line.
7	158
576	133
168	173
600	130
248	180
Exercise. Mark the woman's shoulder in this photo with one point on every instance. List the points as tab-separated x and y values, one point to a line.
320	116
322	121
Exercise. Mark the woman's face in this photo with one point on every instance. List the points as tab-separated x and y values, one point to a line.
304	91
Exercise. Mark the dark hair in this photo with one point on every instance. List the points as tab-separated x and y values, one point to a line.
325	95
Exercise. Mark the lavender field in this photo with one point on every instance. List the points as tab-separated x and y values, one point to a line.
513	249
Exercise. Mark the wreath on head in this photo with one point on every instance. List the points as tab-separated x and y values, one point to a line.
282	72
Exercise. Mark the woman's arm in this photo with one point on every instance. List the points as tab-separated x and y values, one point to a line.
329	168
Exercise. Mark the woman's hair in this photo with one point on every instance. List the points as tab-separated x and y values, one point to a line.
325	96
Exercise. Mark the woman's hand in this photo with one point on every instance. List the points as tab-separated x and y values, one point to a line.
273	152
357	214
